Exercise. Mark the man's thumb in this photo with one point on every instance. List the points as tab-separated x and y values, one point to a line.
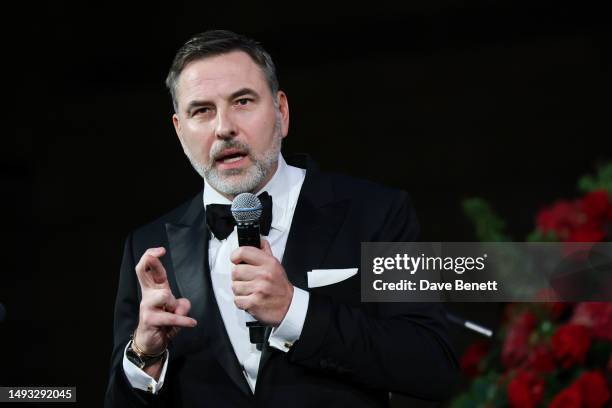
265	246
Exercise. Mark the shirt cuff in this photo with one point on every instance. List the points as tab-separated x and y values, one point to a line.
139	379
290	329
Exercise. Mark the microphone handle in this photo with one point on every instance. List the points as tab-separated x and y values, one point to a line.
248	235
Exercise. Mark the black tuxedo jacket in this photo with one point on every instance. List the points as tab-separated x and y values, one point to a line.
349	353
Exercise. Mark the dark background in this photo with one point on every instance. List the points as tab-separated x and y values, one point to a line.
447	99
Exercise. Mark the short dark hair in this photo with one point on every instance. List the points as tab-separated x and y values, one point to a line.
216	42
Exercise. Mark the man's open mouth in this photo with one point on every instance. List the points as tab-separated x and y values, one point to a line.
230	156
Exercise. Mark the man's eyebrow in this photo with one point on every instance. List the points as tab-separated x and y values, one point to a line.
241	92
244	92
197	104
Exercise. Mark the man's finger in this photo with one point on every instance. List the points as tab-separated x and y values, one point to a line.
166	319
242	288
243	302
244	272
249	255
150	271
265	246
159	299
182	307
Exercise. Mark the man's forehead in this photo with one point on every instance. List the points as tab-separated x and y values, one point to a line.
221	74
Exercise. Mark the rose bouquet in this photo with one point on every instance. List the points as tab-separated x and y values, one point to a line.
547	354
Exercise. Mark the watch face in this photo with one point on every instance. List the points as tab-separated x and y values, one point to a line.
142	362
134	358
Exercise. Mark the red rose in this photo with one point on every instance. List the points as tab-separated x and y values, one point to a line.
525	390
596	205
541	360
586	233
594	389
570	344
516	344
562	218
581	220
597	316
568	398
471	359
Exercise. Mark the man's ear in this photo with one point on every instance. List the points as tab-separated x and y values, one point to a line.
177	128
283	107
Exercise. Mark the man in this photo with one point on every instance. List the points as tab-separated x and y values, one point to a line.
180	334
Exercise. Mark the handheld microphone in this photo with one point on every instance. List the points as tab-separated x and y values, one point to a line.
246	210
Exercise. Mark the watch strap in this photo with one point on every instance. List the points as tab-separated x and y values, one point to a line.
142	360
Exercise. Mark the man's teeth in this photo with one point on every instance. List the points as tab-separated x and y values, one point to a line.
232	159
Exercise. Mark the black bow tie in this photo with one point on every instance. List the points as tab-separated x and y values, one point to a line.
221	222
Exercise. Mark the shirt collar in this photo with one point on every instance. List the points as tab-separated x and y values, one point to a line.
278	187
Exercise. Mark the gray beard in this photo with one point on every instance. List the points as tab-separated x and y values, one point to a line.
236	181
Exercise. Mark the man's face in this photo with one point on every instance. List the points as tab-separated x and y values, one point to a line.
227	122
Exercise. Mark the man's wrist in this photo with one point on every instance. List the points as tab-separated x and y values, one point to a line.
141	351
288	306
142	359
290	328
149	379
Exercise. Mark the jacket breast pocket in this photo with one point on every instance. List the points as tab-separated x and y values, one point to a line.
325	277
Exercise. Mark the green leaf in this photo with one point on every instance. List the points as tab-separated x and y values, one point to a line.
464	401
601	181
547	329
539	236
489	226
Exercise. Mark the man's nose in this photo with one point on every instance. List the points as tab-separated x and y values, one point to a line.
226	127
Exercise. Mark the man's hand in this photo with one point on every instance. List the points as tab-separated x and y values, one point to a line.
260	284
161	314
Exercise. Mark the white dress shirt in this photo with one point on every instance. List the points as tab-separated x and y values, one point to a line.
284	187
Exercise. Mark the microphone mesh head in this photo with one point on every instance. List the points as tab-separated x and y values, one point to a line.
246	207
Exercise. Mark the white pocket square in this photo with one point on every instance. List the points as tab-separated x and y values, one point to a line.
324	277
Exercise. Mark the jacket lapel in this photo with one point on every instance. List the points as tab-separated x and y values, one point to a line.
188	242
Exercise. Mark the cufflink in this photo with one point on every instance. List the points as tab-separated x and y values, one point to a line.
288	344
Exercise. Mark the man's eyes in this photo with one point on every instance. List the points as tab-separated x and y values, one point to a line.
244	101
204	110
201	111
